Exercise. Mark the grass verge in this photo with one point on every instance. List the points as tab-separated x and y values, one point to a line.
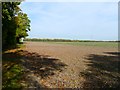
12	71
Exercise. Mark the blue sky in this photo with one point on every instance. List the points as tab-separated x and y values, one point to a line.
84	21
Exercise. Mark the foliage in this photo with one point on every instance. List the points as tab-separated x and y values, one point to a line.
63	40
8	24
15	23
22	25
12	77
51	40
12	69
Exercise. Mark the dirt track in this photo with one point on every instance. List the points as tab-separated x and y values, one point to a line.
74	58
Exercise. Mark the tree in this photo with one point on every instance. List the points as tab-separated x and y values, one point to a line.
15	24
23	26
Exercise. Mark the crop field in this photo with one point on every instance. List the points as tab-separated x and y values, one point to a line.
100	44
60	45
70	64
77	64
77	42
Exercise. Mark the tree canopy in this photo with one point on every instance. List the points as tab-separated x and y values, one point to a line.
15	24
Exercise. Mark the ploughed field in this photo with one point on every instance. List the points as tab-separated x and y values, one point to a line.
62	65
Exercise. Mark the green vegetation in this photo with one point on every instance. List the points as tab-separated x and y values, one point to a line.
77	42
12	70
51	40
15	24
12	76
100	44
62	40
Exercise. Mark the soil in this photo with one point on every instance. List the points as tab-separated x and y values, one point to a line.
60	66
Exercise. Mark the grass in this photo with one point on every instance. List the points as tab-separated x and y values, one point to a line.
12	70
99	44
12	77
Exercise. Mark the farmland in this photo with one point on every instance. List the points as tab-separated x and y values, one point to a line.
77	42
79	65
70	64
99	44
59	45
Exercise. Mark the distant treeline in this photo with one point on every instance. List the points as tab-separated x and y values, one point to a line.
62	40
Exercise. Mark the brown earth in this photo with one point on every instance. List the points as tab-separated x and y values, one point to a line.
68	66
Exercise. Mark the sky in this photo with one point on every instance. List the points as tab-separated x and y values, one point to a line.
76	21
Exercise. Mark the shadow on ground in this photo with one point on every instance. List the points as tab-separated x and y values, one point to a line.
103	71
39	65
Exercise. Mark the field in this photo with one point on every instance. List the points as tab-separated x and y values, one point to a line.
71	64
77	42
100	44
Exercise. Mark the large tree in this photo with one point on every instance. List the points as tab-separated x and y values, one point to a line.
15	23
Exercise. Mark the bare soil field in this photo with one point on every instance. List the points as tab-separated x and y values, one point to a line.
68	66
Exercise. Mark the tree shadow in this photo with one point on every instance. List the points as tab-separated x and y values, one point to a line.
16	46
103	71
40	65
11	70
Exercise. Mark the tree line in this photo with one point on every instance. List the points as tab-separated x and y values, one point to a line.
54	40
61	40
15	24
